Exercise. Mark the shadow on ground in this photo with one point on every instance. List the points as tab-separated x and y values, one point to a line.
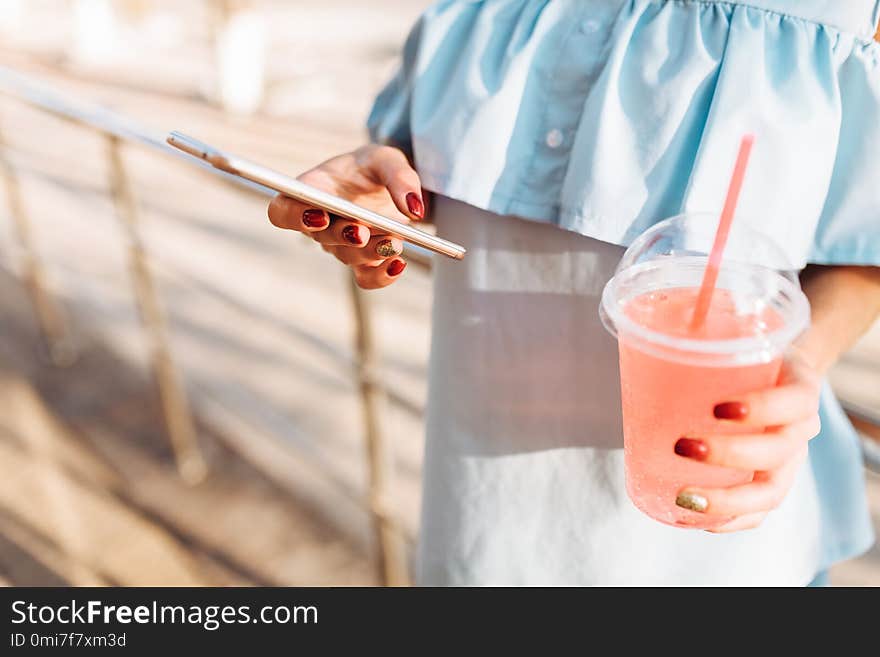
89	493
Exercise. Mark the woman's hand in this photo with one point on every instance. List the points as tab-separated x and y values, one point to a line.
378	178
776	426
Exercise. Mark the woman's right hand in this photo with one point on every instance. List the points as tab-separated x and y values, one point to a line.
378	178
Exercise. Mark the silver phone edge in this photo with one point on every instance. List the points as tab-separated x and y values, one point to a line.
307	194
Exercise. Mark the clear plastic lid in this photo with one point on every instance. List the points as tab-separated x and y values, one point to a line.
673	254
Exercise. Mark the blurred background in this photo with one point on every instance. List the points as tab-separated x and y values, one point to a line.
187	395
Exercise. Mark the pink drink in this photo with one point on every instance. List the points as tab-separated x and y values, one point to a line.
674	370
667	395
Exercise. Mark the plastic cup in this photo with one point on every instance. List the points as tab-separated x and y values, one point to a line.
671	377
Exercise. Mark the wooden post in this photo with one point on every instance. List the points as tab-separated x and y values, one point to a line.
392	559
60	345
181	430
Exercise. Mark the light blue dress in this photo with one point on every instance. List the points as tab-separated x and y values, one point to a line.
603	117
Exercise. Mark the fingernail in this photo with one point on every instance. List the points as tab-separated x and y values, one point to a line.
731	410
692	501
415	205
387	249
351	234
396	267
314	219
692	449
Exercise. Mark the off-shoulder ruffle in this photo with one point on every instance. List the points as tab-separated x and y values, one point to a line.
647	119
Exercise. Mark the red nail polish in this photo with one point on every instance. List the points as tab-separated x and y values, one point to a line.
351	234
396	267
415	205
692	449
314	219
731	410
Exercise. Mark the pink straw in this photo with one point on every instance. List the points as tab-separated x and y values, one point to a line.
710	278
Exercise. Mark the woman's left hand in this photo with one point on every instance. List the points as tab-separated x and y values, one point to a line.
776	426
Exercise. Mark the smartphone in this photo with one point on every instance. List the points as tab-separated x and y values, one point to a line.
307	194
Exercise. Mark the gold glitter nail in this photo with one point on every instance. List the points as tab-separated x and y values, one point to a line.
692	501
386	249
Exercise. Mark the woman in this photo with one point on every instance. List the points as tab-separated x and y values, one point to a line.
553	132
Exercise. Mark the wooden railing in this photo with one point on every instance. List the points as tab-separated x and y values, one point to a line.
61	347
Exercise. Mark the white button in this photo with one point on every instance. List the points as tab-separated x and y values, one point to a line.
589	27
554	138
